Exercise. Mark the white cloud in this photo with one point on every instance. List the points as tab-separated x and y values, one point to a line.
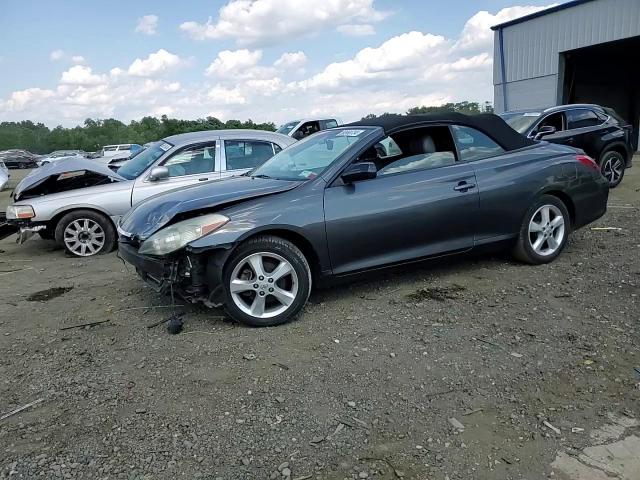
398	55
237	63
23	98
356	30
147	25
477	33
155	64
78	59
56	55
220	95
291	60
266	22
81	75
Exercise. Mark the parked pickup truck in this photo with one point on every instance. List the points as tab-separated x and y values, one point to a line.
299	129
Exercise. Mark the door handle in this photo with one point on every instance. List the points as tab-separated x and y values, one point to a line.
203	179
464	186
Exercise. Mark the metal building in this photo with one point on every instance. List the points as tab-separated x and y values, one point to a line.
582	51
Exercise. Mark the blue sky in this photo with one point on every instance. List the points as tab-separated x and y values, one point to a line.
63	61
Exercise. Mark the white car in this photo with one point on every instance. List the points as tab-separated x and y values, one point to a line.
79	202
59	155
4	175
111	150
299	129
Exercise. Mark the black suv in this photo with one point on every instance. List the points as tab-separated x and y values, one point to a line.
599	131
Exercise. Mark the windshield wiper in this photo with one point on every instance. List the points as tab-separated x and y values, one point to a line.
260	176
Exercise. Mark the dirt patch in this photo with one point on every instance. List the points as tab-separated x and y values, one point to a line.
440	294
48	294
362	385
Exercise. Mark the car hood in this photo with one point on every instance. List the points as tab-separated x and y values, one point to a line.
156	212
66	165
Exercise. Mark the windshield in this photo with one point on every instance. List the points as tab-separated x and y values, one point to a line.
287	127
308	158
134	167
520	121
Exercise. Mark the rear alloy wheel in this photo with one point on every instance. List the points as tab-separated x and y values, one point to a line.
544	231
267	282
84	233
612	167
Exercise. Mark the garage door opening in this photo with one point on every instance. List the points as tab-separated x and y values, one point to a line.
606	74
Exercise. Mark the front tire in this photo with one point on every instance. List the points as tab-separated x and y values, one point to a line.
85	233
267	282
612	166
544	232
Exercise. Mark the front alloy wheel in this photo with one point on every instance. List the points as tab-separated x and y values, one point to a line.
267	282
263	285
84	233
84	237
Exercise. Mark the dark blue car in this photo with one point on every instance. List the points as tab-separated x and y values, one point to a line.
370	194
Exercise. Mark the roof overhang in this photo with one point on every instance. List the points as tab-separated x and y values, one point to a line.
547	11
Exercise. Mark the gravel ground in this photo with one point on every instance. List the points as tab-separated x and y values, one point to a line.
445	370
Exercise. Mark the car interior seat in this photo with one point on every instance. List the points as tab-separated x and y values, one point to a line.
422	153
199	164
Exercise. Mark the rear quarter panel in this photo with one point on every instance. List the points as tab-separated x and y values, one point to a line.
510	183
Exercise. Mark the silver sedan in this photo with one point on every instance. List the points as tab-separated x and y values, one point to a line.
78	202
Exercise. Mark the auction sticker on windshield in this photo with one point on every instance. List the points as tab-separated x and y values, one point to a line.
349	133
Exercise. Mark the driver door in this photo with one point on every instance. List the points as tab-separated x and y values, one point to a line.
188	166
412	209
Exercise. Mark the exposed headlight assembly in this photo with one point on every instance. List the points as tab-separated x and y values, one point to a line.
179	234
20	212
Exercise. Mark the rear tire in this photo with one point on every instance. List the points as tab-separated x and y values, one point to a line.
612	166
544	232
266	282
85	233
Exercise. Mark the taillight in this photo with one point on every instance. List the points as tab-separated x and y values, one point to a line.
588	161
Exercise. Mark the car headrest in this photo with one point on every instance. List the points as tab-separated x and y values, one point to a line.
423	145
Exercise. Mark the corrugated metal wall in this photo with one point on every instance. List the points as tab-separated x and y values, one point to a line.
531	48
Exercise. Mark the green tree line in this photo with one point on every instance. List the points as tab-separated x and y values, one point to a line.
94	134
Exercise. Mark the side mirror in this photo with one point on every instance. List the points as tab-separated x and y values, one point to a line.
158	173
546	130
298	135
359	171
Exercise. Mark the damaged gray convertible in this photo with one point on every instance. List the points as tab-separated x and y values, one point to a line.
78	201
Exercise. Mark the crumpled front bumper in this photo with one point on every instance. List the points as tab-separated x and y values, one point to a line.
194	277
25	229
157	273
7	228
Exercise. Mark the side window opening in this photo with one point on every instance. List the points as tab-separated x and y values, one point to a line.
243	154
555	120
410	150
329	124
192	161
306	129
581	118
474	145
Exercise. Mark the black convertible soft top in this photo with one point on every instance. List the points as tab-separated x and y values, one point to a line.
488	123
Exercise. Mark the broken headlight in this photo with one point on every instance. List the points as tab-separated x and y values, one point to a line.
179	234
